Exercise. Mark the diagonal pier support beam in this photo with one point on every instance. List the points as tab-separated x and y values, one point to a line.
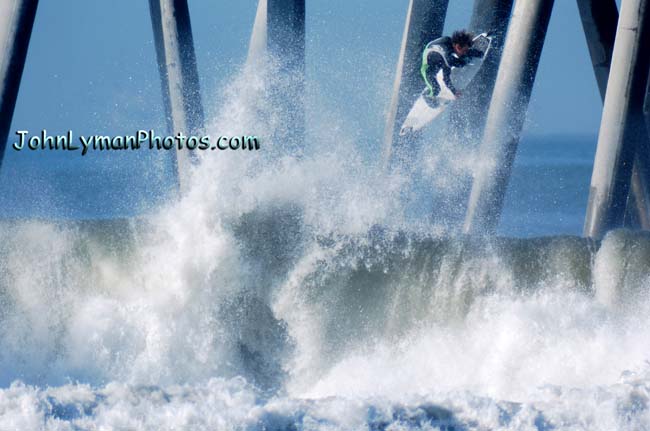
521	53
257	44
279	37
637	211
286	43
599	21
469	112
622	130
646	106
16	23
178	74
425	20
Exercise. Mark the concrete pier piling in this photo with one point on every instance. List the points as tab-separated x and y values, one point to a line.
425	20
16	23
599	21
637	211
622	128
178	73
258	42
506	115
646	106
286	32
278	40
285	21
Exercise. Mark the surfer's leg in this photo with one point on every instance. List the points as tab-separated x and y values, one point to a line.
432	90
432	84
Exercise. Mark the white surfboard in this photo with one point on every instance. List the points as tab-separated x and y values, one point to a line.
425	110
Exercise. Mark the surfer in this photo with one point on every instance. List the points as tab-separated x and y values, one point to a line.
443	54
438	59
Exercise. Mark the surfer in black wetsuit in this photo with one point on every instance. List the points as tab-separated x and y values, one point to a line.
444	53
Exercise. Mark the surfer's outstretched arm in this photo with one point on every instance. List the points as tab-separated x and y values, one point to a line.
473	52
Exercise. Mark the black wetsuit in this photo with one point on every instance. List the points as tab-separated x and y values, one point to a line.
439	54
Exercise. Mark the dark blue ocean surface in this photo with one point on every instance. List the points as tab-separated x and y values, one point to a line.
65	185
549	186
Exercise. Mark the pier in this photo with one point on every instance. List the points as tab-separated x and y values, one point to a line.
494	110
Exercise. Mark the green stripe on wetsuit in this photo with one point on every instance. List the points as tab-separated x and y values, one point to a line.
423	71
424	68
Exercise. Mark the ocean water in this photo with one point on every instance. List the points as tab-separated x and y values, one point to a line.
316	292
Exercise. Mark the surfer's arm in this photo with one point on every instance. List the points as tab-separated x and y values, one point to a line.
473	52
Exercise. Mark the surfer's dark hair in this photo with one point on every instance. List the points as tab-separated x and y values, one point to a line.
462	38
